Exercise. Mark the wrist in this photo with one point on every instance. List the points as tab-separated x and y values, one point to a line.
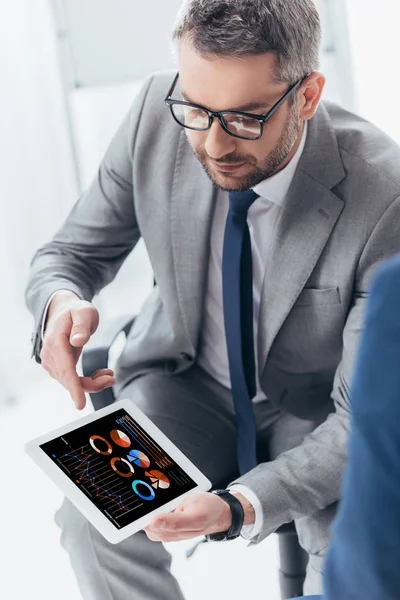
248	508
231	518
61	300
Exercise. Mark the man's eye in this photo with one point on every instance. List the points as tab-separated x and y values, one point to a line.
242	121
247	121
196	112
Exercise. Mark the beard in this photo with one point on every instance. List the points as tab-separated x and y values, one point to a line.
272	163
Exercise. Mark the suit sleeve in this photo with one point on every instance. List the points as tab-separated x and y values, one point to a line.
98	235
308	478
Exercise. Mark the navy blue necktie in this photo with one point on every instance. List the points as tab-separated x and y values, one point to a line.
237	278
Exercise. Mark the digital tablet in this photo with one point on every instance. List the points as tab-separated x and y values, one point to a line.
118	469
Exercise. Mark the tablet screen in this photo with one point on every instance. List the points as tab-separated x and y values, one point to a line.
119	467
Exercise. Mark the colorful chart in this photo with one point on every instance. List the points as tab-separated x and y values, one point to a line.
158	479
138	458
98	447
89	468
124	484
151	495
114	465
120	438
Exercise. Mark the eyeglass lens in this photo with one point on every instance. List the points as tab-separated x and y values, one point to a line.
197	118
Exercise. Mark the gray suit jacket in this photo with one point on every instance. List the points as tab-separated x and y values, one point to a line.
341	216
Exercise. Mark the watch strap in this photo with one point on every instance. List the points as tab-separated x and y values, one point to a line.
237	518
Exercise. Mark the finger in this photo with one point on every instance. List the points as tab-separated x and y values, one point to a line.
98	384
152	536
67	375
169	536
101	372
85	320
178	521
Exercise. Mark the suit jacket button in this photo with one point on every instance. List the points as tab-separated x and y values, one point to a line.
171	366
186	356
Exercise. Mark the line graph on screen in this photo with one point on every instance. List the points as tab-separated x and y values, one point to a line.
99	480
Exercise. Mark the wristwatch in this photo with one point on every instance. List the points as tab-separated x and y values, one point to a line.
237	518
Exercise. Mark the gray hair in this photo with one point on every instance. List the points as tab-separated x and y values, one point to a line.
290	29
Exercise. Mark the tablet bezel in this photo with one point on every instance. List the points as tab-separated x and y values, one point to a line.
78	497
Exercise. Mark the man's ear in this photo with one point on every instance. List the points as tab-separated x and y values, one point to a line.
310	95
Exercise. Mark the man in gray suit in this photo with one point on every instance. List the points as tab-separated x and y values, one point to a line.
246	115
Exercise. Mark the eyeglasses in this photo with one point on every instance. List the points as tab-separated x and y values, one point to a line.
242	125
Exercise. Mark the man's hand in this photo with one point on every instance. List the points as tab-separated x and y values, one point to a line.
70	324
200	514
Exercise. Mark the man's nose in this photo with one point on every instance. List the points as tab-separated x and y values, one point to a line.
219	143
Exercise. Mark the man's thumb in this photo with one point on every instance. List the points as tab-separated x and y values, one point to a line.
78	338
80	334
84	322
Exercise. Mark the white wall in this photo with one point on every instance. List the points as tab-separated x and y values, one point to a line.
116	41
374	30
37	182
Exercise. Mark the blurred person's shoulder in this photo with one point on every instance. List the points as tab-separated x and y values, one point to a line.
387	279
364	147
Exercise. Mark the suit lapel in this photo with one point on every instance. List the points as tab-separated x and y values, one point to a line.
192	202
308	217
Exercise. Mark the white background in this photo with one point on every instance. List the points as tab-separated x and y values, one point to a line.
38	186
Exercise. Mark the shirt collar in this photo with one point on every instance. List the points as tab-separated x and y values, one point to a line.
275	188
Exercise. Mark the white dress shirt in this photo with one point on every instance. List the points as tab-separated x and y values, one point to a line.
262	217
212	356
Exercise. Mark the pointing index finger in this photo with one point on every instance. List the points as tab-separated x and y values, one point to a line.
66	367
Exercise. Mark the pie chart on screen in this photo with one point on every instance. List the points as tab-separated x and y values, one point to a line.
99	444
158	479
138	458
120	438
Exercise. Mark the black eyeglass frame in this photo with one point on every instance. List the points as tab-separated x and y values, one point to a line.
262	119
